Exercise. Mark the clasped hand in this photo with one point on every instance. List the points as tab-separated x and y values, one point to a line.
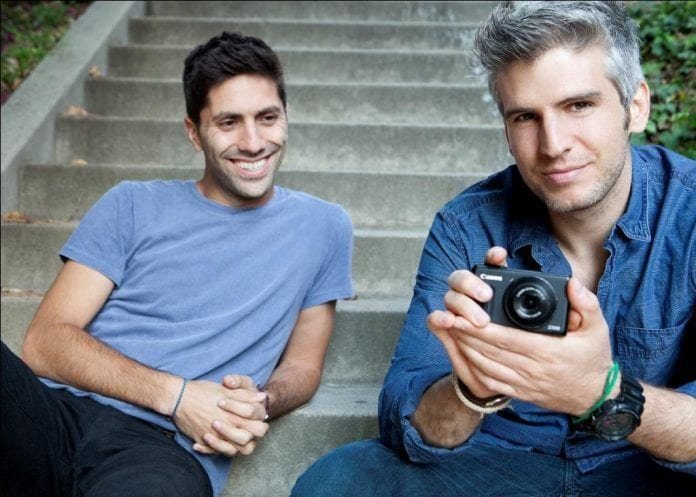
225	418
563	374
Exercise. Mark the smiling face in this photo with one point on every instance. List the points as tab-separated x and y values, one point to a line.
568	131
242	133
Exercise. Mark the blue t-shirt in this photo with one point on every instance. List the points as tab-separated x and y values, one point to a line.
203	290
647	294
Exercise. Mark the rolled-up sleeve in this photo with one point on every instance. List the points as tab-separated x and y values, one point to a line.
420	358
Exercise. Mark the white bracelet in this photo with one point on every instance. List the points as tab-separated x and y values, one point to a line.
482	406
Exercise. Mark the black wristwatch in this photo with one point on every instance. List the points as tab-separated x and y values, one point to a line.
617	418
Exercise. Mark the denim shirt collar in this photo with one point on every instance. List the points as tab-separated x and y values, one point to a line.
530	232
634	222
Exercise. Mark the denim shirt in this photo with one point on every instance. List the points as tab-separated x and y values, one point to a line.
647	293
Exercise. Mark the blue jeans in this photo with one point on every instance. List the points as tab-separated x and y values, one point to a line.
368	468
57	444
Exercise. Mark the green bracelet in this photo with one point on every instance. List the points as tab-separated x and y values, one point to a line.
612	377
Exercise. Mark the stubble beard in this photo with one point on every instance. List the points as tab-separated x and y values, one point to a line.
234	187
600	192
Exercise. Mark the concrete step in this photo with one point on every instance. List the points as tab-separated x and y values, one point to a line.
306	34
384	262
336	415
330	10
312	65
357	103
372	200
362	344
316	146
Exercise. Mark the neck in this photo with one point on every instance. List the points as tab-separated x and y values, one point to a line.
581	234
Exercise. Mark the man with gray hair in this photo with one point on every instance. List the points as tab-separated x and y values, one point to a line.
485	395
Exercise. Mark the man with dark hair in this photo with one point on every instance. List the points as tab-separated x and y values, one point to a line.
186	313
471	406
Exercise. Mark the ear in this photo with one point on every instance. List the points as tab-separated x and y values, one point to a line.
639	109
192	133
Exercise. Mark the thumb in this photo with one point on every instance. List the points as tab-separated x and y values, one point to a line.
585	311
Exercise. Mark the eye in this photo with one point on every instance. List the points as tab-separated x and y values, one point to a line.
227	123
269	119
526	116
580	106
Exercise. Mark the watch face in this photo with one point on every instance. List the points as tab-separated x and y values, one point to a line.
615	426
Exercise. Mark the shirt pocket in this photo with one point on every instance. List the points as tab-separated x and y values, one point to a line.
649	354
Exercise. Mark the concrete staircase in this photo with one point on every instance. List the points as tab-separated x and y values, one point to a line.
386	118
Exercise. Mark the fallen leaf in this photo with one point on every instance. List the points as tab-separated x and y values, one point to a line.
95	72
16	217
76	111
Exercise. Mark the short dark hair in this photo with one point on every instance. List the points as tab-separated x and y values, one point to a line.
224	57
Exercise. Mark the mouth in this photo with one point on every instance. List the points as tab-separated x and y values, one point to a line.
562	176
252	169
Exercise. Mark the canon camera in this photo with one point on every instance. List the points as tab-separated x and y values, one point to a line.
528	300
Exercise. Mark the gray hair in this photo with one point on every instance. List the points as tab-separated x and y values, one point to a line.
523	31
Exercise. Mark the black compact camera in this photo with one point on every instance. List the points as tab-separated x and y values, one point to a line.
529	300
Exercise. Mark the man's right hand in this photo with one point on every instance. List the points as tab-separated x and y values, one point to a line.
471	291
222	420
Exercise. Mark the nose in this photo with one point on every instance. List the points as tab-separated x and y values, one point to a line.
555	137
250	140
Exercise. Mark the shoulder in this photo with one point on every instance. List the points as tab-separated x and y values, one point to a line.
319	209
666	165
489	196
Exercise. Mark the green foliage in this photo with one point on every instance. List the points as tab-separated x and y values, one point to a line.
668	54
29	31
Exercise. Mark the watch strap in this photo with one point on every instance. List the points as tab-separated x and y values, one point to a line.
630	400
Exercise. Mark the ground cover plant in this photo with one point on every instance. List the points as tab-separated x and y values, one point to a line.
29	31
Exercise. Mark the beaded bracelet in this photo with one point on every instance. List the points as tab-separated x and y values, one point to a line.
482	406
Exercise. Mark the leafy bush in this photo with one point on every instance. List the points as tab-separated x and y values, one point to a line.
668	55
29	31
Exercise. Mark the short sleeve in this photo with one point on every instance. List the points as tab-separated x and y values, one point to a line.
102	239
333	281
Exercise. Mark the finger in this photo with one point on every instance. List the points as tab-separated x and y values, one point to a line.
228	448
467	283
230	433
467	308
248	449
496	256
239	381
492	359
245	395
248	410
221	446
203	449
440	321
257	428
491	375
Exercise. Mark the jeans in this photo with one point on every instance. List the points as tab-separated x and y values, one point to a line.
57	444
368	468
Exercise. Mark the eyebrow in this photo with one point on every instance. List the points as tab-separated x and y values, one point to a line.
573	98
233	115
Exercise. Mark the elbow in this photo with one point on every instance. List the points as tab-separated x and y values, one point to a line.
31	352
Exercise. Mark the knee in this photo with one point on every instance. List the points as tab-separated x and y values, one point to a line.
347	471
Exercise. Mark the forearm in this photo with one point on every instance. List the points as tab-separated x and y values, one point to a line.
667	425
70	355
290	387
441	418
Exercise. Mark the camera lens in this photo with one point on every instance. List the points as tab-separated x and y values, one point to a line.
529	302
